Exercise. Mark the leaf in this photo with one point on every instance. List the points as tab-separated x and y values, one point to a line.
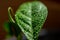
7	27
11	29
30	17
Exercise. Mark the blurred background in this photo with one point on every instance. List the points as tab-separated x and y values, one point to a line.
51	28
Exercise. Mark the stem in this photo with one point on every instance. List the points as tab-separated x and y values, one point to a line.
10	17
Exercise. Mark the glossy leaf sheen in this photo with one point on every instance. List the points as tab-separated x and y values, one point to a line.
30	17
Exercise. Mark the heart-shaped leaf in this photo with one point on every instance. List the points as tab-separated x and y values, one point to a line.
30	17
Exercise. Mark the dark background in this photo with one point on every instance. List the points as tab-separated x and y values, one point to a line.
52	23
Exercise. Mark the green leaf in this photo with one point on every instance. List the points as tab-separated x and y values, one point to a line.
30	17
11	29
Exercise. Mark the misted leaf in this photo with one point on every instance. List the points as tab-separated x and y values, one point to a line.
30	17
